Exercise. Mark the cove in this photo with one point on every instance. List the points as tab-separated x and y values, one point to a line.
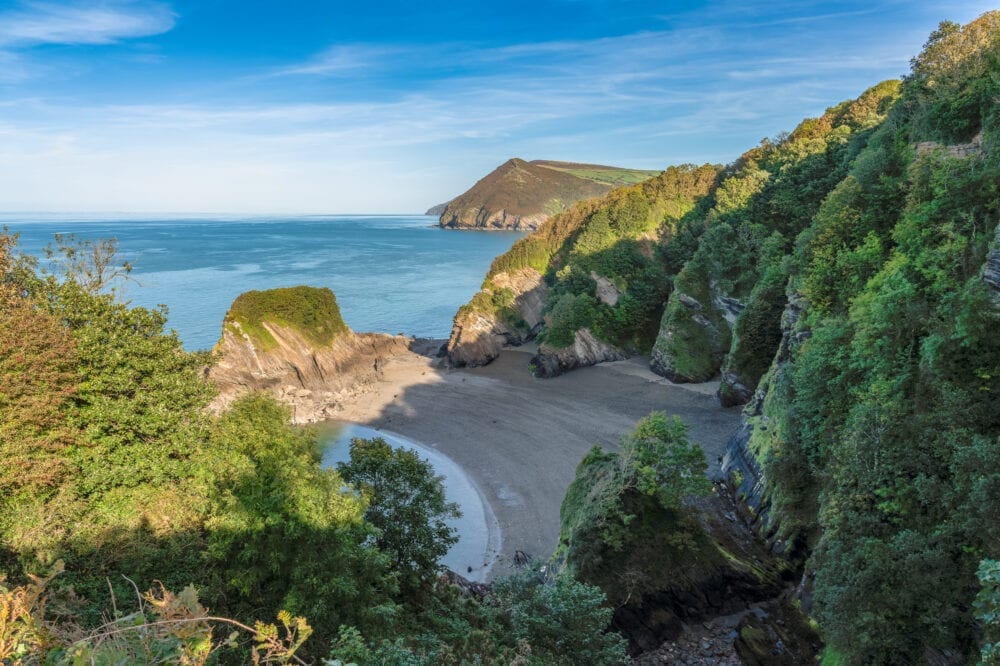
478	530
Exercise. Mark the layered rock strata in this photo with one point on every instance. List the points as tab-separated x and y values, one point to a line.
311	378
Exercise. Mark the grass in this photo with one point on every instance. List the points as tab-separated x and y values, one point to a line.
313	312
597	173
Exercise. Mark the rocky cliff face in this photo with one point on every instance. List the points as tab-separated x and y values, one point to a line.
478	334
586	350
311	379
518	195
991	271
694	335
740	466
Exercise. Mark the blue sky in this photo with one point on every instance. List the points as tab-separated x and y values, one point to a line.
353	107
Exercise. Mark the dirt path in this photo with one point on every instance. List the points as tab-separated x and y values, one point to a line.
519	438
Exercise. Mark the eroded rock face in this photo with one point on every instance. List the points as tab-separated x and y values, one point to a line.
586	350
687	318
991	270
477	337
607	291
483	218
740	466
732	391
312	380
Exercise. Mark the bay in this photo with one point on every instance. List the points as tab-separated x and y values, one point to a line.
391	273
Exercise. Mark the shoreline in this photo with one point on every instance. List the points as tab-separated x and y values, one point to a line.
519	439
480	537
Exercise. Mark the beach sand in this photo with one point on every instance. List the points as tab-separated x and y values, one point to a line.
520	438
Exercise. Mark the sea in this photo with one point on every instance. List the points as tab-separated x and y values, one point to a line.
391	273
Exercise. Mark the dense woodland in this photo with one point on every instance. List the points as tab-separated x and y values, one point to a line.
865	346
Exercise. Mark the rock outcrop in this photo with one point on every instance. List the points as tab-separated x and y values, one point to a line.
479	333
694	335
740	466
312	378
586	350
607	291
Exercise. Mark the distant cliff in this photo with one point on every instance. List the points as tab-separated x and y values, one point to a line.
293	343
522	195
438	209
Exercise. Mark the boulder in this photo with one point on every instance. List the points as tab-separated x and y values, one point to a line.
586	350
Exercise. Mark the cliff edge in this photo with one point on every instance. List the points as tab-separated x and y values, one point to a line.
293	343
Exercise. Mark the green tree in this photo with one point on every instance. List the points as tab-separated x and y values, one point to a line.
987	605
623	524
406	505
563	622
284	532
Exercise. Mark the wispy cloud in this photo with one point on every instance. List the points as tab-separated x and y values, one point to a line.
391	125
82	22
340	60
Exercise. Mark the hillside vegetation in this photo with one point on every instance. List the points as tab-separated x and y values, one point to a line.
876	425
845	280
117	480
613	176
610	265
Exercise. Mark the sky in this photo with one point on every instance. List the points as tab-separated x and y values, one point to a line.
257	107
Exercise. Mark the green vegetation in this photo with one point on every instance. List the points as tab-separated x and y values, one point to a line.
167	628
987	604
879	433
699	335
614	237
757	331
614	176
118	479
623	527
311	311
524	619
406	504
762	203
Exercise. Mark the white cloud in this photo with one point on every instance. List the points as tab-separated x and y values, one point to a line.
449	114
82	23
340	60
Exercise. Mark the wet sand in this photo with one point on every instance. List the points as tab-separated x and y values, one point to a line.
520	438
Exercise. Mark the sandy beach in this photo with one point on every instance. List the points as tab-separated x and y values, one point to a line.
520	438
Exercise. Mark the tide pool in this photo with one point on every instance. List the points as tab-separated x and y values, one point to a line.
391	273
478	532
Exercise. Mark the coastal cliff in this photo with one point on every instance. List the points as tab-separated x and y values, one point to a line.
587	284
520	195
293	344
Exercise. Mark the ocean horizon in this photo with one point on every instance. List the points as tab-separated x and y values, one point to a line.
390	273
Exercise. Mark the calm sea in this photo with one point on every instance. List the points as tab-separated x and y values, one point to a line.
394	274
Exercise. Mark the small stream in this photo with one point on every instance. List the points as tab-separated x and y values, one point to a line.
478	531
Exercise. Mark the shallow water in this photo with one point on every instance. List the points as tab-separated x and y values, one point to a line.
478	544
392	274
